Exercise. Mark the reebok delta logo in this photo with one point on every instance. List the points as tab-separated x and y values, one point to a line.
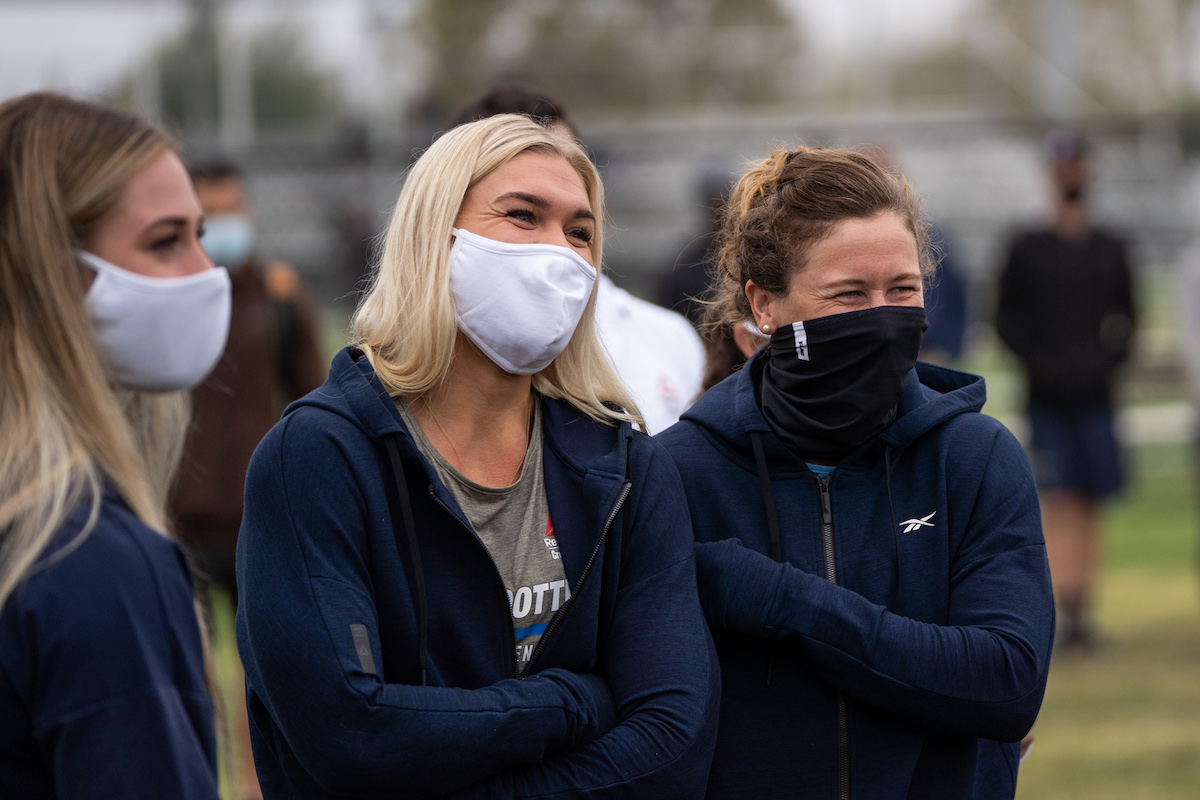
916	523
551	541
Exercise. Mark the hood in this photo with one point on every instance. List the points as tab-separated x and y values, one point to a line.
729	411
353	392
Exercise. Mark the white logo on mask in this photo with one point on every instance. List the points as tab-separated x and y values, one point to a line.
801	341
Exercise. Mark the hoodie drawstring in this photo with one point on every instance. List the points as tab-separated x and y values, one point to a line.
626	512
764	482
887	470
414	548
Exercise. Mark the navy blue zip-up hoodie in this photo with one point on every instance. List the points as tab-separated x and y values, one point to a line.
102	687
346	608
903	678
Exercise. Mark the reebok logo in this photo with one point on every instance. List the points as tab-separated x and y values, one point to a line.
551	541
916	523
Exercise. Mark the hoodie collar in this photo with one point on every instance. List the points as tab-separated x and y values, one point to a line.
354	392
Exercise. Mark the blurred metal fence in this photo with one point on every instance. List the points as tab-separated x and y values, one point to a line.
318	201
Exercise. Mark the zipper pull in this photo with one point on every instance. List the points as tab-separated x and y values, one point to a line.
826	500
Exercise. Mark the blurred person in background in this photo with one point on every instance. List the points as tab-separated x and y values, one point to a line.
463	572
656	352
945	305
109	309
516	99
684	282
273	356
1188	269
869	549
1066	309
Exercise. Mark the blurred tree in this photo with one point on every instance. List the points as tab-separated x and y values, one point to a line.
626	54
285	91
1070	58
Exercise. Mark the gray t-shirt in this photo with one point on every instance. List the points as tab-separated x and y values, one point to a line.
513	522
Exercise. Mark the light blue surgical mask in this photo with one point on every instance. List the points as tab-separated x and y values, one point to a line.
229	240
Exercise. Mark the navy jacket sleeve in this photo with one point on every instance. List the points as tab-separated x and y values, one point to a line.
982	673
104	648
304	577
658	660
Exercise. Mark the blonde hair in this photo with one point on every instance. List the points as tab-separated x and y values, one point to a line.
406	323
65	432
785	204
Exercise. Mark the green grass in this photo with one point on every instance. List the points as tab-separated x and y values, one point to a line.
1125	722
1154	522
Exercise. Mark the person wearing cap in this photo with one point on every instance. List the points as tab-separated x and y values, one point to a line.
273	355
1066	309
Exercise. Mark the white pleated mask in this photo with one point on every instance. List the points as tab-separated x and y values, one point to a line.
519	303
158	334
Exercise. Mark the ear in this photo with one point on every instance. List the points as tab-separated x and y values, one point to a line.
762	304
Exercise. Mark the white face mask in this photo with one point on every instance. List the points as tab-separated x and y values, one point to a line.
158	334
519	303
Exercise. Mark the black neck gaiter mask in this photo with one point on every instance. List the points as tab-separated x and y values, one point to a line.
828	384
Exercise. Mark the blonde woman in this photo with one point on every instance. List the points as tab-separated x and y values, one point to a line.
461	569
108	305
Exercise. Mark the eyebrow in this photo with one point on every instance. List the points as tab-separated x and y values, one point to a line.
543	203
172	221
856	282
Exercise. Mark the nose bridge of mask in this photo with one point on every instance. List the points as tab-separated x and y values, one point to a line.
812	338
464	239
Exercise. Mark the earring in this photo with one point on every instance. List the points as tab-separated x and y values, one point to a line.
765	329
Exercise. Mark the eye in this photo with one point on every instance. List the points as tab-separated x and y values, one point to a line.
522	215
584	235
164	244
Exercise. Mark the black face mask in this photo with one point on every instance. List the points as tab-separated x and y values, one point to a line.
829	384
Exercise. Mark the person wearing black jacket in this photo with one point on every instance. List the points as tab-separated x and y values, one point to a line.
1066	310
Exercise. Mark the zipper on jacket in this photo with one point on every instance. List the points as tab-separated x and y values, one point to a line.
827	550
512	634
556	621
